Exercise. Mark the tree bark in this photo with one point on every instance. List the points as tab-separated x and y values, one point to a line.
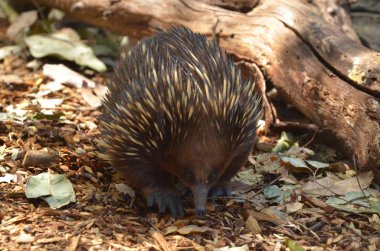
315	62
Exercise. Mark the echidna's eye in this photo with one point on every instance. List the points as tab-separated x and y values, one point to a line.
188	176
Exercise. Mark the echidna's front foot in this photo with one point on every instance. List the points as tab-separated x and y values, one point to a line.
165	199
220	190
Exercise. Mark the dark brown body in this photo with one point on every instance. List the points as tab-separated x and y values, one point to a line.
178	109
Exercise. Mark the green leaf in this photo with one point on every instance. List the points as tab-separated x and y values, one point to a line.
293	246
248	177
56	14
353	202
284	143
375	205
294	162
65	44
271	192
317	164
55	189
274	192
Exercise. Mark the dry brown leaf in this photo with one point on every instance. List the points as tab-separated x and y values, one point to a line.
125	189
331	186
160	239
293	207
253	225
62	74
193	229
171	229
266	215
90	97
73	243
318	203
23	21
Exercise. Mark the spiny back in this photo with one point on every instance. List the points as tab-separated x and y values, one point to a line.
169	86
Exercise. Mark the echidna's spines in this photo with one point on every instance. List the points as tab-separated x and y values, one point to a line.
168	86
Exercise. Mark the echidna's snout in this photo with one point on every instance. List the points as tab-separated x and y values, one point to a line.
200	192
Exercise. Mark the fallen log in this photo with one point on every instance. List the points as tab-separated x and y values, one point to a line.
319	66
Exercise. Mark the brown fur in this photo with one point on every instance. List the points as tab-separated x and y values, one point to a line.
178	109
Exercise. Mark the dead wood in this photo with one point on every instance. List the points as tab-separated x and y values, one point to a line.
40	158
336	13
366	19
317	65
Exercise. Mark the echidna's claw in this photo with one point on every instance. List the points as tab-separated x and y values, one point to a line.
166	199
219	191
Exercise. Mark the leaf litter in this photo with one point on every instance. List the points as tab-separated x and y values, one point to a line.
291	198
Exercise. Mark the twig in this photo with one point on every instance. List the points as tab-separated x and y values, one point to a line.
258	192
312	138
357	177
291	125
215	35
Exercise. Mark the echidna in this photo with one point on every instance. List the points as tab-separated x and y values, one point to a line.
179	109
